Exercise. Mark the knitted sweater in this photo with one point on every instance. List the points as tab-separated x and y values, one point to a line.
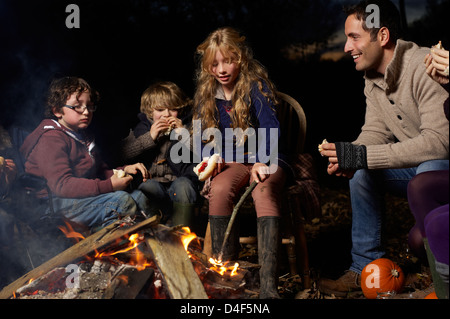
405	123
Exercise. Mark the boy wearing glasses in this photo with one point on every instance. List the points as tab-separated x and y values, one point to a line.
62	151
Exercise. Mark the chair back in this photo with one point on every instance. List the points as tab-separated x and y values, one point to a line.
293	124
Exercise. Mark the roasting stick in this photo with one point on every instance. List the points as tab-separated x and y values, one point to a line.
233	216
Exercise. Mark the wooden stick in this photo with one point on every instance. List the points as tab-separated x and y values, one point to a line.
80	249
233	216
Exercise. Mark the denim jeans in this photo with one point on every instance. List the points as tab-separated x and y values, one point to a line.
367	190
161	195
103	209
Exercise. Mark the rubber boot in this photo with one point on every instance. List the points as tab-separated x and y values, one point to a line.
268	252
219	226
440	287
183	214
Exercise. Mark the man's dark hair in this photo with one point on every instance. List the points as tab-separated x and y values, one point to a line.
389	17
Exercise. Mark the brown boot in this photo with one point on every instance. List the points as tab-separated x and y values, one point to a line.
350	281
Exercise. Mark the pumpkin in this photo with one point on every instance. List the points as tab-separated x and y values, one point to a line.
431	296
381	275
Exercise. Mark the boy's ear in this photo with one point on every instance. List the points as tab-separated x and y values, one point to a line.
58	112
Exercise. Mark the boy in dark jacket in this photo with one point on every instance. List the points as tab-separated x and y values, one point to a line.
60	150
163	105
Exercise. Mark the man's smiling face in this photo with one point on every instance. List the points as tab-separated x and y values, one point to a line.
367	53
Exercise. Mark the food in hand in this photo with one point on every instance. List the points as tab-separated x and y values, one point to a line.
169	130
205	169
439	46
2	164
320	145
120	173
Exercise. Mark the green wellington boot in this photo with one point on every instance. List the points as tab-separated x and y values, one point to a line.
183	214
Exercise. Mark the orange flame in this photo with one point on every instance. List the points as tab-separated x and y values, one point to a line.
134	241
217	265
222	268
187	238
69	232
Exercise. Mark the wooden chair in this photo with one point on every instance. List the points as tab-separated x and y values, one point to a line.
293	131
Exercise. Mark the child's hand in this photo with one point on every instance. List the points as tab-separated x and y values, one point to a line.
159	126
260	172
135	168
9	168
120	183
174	122
436	64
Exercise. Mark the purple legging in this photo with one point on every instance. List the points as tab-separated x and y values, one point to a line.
426	192
436	229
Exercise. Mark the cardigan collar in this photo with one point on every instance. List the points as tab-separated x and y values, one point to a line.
395	69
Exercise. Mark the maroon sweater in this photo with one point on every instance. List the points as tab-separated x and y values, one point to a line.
71	166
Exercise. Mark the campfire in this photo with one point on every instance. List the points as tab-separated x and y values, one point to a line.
131	259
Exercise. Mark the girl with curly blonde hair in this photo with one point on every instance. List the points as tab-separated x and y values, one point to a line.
234	91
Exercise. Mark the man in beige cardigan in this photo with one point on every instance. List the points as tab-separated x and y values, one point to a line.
405	130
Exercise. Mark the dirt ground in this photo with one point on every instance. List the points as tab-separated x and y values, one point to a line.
329	245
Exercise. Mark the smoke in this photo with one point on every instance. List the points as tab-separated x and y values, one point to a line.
30	57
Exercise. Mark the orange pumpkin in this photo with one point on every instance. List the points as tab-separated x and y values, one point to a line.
431	296
381	275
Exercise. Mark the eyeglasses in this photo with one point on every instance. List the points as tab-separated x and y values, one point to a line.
80	109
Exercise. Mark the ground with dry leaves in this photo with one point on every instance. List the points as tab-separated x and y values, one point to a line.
329	245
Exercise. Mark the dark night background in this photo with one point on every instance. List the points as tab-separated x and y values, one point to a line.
123	46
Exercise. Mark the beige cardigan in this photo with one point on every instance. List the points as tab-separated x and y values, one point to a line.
405	123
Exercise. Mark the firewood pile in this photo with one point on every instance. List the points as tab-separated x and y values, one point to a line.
128	260
157	263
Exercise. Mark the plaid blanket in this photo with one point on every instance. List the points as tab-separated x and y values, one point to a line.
304	194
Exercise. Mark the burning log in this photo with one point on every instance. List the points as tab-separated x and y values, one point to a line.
151	263
175	266
128	282
81	249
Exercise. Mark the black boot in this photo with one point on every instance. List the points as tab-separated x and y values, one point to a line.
183	214
268	252
219	226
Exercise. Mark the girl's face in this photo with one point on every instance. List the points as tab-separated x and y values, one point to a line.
72	119
225	71
164	114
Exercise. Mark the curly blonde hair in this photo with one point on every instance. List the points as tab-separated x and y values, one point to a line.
234	47
162	95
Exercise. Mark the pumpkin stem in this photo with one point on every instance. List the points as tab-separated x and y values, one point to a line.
395	273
